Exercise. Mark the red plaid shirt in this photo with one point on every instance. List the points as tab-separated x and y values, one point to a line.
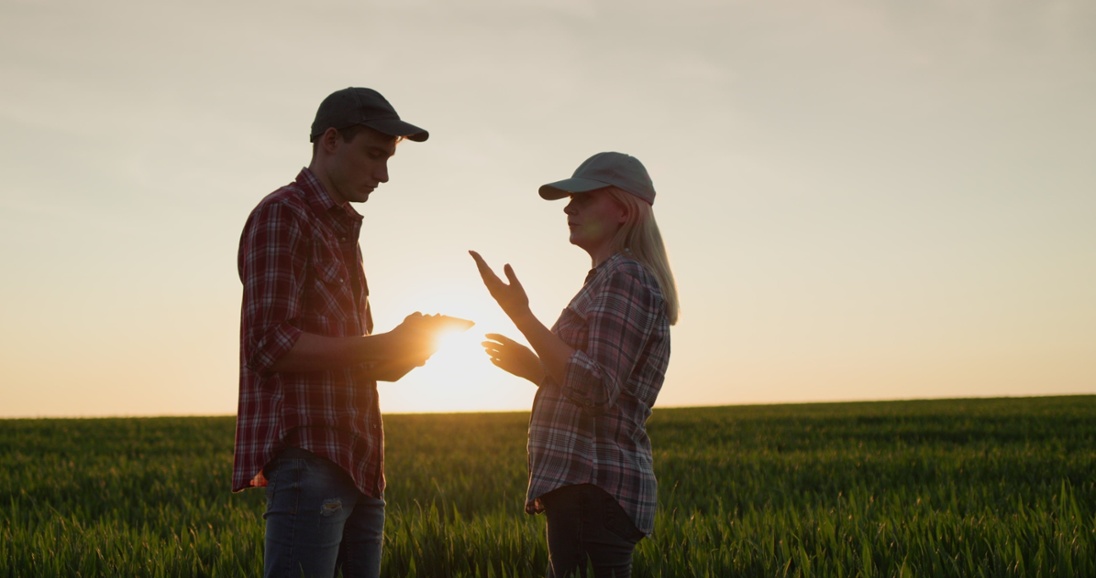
301	269
591	429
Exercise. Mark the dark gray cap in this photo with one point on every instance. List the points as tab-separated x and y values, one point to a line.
604	170
365	106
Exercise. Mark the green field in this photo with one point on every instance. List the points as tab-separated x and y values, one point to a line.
999	487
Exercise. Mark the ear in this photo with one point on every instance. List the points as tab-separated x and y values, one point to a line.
623	209
330	138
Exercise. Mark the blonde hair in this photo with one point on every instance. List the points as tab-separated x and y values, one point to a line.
640	235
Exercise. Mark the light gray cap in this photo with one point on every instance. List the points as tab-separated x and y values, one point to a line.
608	169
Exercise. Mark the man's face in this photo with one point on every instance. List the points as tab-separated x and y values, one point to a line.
356	168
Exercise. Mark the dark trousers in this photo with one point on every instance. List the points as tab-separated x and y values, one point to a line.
586	524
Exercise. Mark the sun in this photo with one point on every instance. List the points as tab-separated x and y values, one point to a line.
457	344
460	376
460	352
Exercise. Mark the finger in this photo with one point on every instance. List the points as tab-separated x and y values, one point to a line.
504	340
487	274
477	258
501	341
510	275
480	263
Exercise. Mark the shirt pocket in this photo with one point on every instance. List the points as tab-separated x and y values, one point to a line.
331	287
330	273
572	328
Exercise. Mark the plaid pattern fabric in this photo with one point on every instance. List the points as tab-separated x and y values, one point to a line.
591	429
301	269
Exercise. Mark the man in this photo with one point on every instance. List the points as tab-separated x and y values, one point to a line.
309	426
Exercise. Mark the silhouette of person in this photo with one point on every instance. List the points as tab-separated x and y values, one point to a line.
598	370
309	427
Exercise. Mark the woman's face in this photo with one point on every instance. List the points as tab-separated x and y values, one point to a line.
593	219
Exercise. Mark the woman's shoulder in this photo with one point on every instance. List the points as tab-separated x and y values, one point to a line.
625	265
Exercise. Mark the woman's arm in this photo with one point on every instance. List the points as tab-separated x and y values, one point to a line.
551	350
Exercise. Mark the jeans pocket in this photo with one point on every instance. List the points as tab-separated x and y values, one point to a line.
283	475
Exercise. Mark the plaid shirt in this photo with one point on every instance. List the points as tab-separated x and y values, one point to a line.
301	269
591	428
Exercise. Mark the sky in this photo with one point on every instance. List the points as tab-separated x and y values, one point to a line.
860	200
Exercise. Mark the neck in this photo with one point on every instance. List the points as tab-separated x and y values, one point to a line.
599	256
321	175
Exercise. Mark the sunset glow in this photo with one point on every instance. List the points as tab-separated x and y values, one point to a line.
860	200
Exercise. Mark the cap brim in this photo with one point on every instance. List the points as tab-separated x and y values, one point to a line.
396	127
561	189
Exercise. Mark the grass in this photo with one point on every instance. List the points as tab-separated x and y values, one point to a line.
993	487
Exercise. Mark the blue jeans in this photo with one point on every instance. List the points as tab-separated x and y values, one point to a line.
585	523
317	521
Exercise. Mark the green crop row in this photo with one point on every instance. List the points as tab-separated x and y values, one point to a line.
995	487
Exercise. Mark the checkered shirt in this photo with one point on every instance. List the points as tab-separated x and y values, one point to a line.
301	268
591	429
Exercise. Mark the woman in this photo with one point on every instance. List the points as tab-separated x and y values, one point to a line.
598	370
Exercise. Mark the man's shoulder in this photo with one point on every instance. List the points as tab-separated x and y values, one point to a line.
291	195
289	201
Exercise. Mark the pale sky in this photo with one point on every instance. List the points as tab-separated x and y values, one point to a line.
861	200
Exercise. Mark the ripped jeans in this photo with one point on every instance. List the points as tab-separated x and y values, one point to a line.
317	520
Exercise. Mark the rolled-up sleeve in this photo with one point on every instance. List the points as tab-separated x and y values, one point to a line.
272	268
620	320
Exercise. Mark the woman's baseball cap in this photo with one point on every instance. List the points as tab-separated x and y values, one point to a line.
365	106
603	170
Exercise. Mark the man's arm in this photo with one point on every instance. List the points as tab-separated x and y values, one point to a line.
314	352
407	346
273	265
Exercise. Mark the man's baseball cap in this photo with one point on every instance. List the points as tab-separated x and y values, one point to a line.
365	106
603	170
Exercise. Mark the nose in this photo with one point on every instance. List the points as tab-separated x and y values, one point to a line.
381	173
570	207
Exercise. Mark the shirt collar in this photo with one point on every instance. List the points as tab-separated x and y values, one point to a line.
320	200
602	266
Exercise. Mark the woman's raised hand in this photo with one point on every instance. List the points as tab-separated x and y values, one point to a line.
511	297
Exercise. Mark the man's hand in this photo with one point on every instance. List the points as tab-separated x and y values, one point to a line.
513	357
413	340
